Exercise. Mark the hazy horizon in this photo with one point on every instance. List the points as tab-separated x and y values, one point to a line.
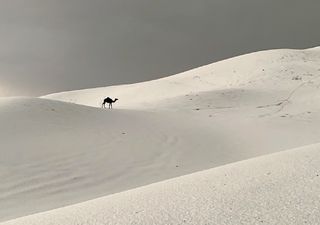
51	46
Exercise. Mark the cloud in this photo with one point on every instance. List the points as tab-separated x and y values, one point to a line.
48	46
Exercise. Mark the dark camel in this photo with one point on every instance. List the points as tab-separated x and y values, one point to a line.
109	101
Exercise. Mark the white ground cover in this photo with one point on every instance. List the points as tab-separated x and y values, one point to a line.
55	153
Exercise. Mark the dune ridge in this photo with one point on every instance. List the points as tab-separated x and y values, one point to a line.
281	188
56	153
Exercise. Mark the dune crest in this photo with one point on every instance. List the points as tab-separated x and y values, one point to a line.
276	189
56	153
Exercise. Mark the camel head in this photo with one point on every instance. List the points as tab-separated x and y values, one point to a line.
115	100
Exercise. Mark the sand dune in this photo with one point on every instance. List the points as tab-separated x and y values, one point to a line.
274	70
282	188
56	153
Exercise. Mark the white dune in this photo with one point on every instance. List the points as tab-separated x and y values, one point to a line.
282	188
262	72
56	153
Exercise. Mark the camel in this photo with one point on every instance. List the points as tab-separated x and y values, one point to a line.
109	101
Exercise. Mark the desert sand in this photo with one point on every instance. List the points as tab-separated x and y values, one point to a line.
233	142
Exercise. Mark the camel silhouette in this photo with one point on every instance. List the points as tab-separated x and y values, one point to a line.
109	101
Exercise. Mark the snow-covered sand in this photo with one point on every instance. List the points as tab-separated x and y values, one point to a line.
276	189
56	153
259	73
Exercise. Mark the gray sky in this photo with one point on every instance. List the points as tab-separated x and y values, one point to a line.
55	45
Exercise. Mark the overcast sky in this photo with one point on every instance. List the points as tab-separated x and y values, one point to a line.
54	45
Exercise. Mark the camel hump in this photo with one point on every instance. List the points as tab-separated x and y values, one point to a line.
108	99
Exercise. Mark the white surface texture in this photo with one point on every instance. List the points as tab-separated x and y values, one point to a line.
277	189
56	153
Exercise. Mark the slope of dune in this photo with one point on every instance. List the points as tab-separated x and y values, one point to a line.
56	153
266	71
282	188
